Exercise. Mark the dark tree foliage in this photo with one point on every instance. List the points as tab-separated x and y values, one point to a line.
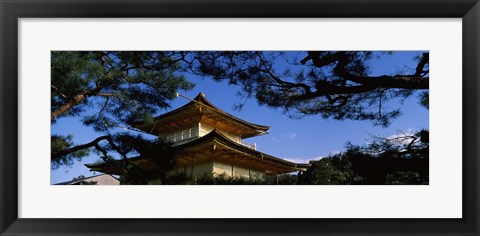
86	183
287	179
182	178
333	84
60	143
125	85
80	177
81	181
406	177
223	179
108	90
402	159
177	179
331	170
156	152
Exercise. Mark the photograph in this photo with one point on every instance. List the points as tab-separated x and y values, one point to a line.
239	118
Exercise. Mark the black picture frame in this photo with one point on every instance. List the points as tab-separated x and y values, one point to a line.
11	11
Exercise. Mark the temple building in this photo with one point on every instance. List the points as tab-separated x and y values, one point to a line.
210	141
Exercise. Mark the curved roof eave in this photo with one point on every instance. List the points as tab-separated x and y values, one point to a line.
215	134
200	99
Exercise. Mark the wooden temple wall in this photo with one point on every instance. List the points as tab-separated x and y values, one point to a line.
218	168
238	171
198	169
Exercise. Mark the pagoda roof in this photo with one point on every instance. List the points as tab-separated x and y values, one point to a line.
216	137
215	145
191	110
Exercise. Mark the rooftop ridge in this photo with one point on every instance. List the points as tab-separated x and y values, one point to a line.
202	99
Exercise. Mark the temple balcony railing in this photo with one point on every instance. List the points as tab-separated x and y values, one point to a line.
249	145
192	133
183	135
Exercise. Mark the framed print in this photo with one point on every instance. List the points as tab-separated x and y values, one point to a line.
311	117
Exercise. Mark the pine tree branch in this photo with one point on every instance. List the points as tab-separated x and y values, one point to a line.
59	93
74	101
79	147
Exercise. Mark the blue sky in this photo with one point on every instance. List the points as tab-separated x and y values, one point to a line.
297	140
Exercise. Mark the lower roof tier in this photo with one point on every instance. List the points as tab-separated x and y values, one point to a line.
211	147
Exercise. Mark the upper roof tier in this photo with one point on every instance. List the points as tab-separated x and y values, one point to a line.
200	110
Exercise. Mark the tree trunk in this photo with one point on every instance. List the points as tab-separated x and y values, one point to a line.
75	100
65	107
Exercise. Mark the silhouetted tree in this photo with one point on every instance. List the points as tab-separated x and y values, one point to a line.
332	170
80	177
334	84
223	179
158	153
287	179
80	181
60	143
402	159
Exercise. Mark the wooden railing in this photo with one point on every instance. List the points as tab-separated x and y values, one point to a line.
193	133
183	135
249	145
